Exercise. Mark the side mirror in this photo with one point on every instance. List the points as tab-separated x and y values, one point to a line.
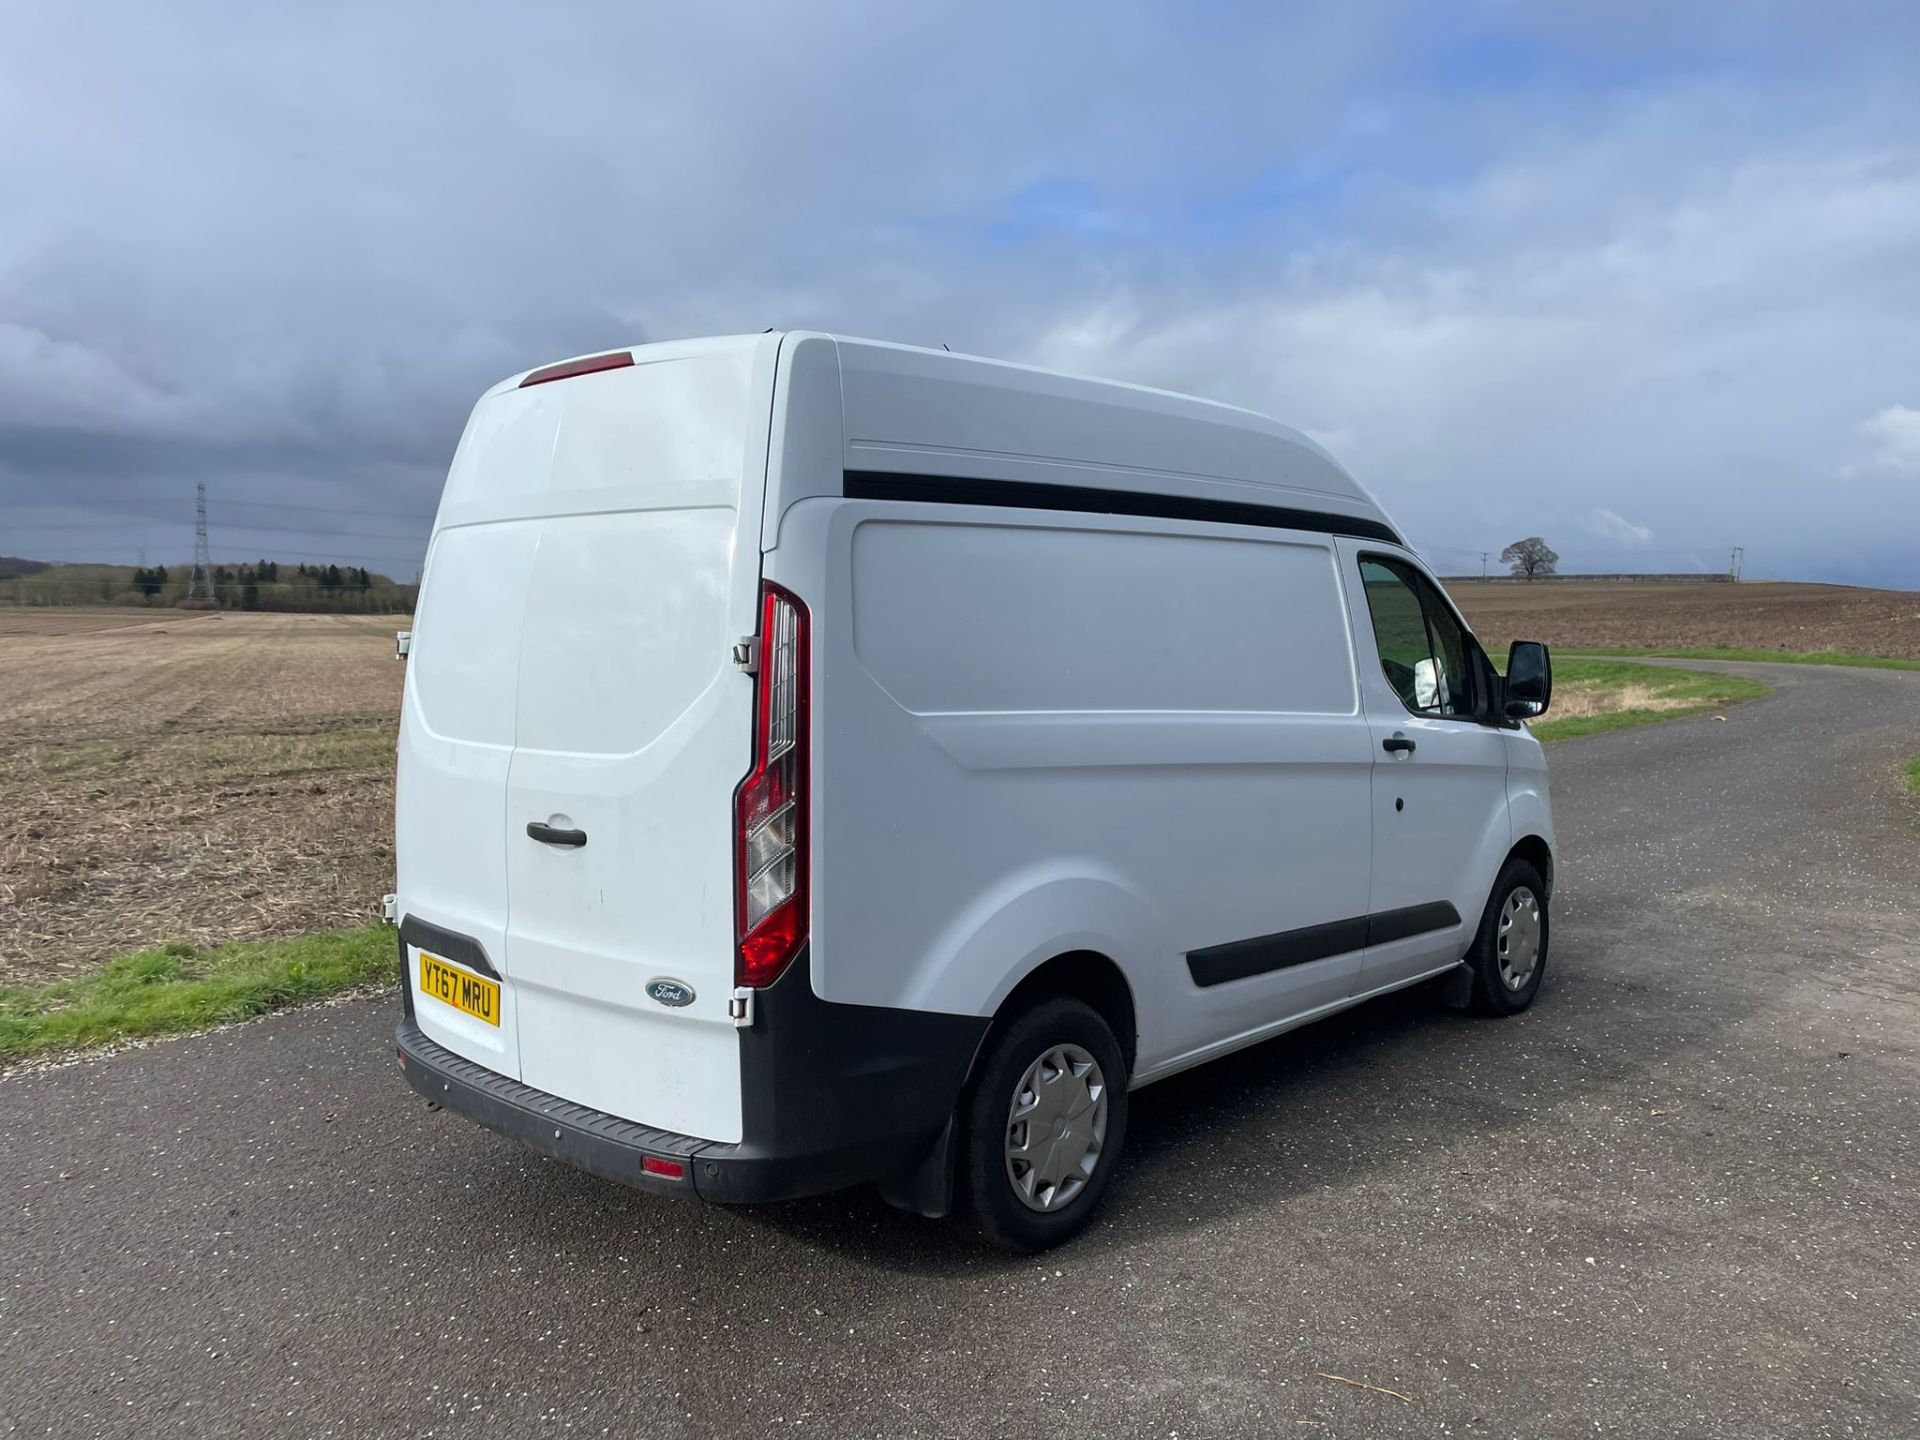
1529	680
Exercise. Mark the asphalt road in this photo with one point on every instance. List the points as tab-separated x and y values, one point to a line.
1676	1198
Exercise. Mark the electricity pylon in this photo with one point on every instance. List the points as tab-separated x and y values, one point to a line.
201	587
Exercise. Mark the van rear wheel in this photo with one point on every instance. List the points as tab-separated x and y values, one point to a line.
1042	1124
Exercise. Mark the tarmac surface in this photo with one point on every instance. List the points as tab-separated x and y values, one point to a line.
1680	1196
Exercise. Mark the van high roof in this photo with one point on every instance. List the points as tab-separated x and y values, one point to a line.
912	411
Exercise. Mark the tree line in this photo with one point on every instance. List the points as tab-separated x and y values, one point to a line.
239	586
261	585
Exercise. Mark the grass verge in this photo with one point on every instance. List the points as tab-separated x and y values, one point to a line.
179	988
1730	652
1912	774
1619	696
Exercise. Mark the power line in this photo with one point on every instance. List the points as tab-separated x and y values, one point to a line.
328	509
323	509
241	556
234	555
1696	552
243	525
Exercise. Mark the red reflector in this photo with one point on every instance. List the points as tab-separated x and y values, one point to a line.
567	369
667	1169
766	950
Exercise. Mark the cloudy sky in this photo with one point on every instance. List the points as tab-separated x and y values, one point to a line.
1642	278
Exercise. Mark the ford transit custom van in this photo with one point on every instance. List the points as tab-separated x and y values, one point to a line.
827	762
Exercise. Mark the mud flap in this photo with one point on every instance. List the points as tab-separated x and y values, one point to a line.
927	1189
1455	988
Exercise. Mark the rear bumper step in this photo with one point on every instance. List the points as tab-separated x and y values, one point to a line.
591	1140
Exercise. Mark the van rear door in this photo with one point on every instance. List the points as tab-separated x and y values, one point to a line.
621	508
456	744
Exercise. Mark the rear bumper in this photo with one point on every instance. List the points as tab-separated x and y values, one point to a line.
832	1096
612	1148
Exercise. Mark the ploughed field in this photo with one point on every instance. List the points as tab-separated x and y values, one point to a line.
171	775
1761	615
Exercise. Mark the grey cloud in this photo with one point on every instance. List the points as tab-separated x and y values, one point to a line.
282	250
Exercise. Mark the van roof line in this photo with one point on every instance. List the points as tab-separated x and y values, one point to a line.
1306	464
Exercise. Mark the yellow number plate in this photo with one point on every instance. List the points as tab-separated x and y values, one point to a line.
475	994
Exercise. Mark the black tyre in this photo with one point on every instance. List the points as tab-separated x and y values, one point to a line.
1041	1125
1509	953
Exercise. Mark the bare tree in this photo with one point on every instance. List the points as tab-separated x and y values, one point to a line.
1530	557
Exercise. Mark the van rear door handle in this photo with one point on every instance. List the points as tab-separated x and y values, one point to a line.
548	835
1392	745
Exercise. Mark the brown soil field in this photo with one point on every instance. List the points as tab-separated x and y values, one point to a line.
211	777
180	776
1761	615
82	619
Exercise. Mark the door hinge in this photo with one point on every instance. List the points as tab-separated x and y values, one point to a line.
746	654
390	908
402	644
740	1008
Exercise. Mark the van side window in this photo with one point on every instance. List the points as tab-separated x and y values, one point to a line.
1423	649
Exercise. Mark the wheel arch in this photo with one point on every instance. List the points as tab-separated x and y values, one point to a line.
1087	976
1536	852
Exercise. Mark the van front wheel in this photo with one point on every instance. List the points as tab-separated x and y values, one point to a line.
1509	953
1042	1124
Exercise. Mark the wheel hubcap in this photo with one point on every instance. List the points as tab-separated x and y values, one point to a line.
1056	1126
1517	942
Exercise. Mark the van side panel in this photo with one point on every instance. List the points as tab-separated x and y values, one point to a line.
1040	733
1529	802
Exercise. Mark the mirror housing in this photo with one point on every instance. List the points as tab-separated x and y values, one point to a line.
1529	682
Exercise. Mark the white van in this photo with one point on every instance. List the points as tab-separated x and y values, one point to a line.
828	762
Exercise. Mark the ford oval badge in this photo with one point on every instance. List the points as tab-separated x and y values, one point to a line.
670	992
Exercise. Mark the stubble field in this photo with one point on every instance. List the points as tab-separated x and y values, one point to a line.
1761	615
199	777
172	776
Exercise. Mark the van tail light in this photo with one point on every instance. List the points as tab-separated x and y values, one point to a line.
770	807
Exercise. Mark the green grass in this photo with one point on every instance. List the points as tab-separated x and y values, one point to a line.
1676	694
1912	773
1730	652
179	988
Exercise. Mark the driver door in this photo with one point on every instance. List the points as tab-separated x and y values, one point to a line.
1439	785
